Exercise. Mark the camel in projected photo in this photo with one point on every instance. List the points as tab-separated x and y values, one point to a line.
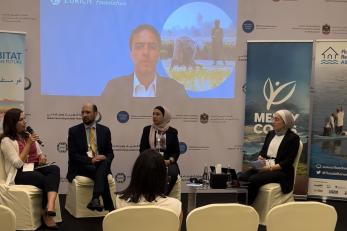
184	53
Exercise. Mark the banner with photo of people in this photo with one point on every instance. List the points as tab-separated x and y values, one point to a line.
12	49
278	77
328	160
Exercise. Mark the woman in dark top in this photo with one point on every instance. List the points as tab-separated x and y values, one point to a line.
278	153
163	138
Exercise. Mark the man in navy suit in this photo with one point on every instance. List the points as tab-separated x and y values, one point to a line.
90	155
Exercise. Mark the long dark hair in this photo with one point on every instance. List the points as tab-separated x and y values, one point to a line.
148	178
9	123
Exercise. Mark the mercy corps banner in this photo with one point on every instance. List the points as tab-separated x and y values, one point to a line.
12	48
328	160
278	77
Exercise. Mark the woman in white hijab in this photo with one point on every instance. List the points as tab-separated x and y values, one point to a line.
278	153
164	139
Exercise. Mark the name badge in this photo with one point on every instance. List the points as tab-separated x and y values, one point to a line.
28	167
90	154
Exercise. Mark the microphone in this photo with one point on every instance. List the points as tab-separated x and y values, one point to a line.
31	131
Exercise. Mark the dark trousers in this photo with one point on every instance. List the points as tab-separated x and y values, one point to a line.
172	172
257	179
98	173
46	178
327	131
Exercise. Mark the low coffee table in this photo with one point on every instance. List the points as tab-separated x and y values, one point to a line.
228	195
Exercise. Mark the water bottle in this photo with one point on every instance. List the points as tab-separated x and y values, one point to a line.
205	176
229	181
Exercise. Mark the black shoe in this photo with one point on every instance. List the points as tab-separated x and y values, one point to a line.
94	204
109	208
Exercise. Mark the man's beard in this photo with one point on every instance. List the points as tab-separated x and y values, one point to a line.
88	122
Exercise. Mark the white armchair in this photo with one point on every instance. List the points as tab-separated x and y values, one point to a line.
223	217
79	194
308	216
144	218
25	201
7	219
270	195
177	188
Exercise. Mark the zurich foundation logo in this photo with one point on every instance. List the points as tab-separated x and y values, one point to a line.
271	94
123	117
55	2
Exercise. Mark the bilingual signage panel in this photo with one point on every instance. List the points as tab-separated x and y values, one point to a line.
12	49
328	162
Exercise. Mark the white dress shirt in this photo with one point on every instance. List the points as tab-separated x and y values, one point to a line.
141	91
274	145
273	149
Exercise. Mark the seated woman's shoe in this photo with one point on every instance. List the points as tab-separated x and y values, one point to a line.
48	221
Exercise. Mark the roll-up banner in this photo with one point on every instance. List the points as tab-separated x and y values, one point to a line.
12	49
328	161
278	77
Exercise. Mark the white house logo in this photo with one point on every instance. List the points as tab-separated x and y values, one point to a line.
55	2
329	56
270	94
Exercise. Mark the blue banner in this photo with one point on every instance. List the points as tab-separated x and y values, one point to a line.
278	77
